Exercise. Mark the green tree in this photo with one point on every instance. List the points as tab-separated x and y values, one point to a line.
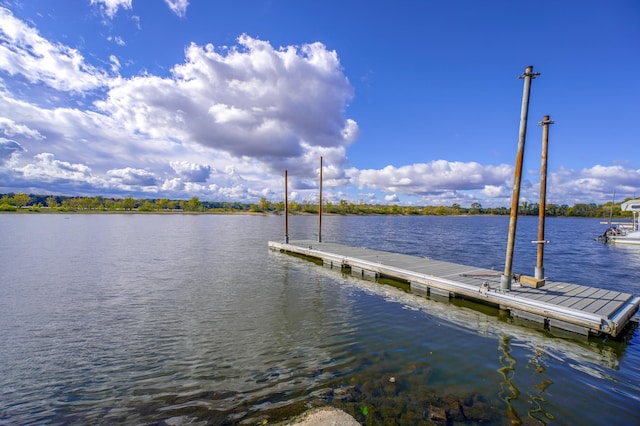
476	208
193	205
147	206
162	204
343	207
294	206
108	204
128	203
442	211
66	204
7	200
6	207
52	201
21	200
264	205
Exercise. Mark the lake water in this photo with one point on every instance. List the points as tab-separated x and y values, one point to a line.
191	319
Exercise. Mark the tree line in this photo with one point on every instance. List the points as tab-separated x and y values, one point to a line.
35	203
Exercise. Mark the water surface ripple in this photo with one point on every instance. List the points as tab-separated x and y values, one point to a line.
190	319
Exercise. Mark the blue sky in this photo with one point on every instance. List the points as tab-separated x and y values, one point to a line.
408	102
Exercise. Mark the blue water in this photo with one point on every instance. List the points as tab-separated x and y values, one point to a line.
190	319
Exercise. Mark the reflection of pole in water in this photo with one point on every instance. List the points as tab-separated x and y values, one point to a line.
537	410
508	391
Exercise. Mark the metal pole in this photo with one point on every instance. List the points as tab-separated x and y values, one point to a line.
320	206
286	210
539	271
613	200
505	280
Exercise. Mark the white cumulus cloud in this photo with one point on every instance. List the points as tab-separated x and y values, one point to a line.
10	128
251	100
45	168
133	177
111	7
24	52
179	7
428	178
191	172
8	149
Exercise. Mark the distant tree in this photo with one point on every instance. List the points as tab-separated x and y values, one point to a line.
442	211
192	205
76	203
86	203
96	203
294	206
128	203
147	206
52	201
66	204
7	200
583	210
264	205
21	200
162	204
343	207
476	208
6	207
108	204
311	208
563	209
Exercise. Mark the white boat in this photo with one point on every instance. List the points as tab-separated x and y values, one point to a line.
627	232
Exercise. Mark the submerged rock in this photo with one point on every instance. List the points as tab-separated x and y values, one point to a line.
323	416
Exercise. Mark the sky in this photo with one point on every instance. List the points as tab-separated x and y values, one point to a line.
407	102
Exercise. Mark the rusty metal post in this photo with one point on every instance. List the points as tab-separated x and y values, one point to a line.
539	271
320	206
286	210
505	280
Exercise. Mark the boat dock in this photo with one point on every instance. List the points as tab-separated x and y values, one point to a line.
575	308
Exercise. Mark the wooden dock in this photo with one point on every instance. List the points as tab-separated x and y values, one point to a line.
576	308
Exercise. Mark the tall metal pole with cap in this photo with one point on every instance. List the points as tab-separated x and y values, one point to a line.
539	271
286	210
505	279
320	206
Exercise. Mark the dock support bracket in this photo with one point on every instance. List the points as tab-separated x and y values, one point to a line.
364	273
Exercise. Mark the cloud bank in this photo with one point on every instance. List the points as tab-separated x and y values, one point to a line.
251	106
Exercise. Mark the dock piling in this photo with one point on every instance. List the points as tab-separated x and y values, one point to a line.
505	280
320	206
539	271
286	210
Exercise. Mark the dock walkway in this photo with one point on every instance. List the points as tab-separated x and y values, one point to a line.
576	308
